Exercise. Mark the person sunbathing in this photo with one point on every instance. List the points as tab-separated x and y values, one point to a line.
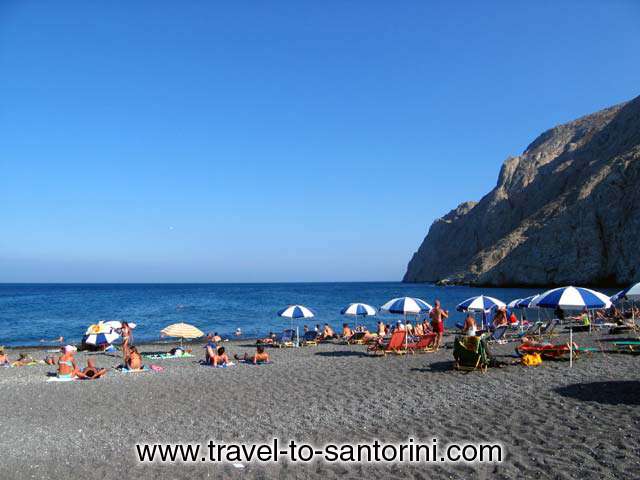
4	358
259	357
220	357
23	360
327	332
134	360
91	372
418	330
346	331
382	330
67	367
500	318
469	328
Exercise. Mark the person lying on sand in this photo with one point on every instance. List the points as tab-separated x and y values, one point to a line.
220	357
134	360
260	356
67	367
60	339
91	372
23	360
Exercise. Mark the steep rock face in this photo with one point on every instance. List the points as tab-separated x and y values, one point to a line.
566	211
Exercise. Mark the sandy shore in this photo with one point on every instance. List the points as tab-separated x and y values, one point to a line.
553	422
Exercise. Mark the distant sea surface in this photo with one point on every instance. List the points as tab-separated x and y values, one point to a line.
32	312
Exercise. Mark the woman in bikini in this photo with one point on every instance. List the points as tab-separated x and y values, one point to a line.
134	360
127	340
220	357
67	367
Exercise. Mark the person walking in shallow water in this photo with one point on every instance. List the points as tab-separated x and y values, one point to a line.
438	315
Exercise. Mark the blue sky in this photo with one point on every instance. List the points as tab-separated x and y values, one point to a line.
276	141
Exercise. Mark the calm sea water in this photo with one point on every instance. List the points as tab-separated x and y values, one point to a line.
29	313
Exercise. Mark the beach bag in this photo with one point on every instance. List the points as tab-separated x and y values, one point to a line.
531	359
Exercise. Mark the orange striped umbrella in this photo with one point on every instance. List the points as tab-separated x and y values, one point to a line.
181	330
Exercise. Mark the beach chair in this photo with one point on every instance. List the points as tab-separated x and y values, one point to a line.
628	345
396	344
310	338
498	334
357	338
533	330
424	344
470	353
549	329
285	339
548	351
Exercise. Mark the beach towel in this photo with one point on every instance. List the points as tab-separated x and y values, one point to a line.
249	362
64	379
166	356
142	370
205	364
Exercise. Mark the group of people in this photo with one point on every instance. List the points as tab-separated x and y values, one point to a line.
217	355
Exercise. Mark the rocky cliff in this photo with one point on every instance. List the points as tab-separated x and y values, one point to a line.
566	211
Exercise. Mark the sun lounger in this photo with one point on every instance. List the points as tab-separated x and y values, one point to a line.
357	338
498	334
533	330
310	338
470	353
548	351
549	328
285	339
424	344
396	344
628	345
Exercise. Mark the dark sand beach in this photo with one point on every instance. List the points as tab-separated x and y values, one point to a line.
554	422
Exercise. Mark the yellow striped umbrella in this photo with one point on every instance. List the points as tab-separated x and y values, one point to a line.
181	330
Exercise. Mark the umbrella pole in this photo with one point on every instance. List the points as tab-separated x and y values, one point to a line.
571	347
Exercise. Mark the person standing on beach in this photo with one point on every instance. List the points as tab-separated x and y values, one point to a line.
127	340
438	315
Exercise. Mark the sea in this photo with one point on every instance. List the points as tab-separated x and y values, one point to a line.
35	314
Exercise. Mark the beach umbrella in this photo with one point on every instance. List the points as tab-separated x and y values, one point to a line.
100	333
527	302
618	297
406	306
182	331
357	309
295	312
480	303
572	298
632	293
514	303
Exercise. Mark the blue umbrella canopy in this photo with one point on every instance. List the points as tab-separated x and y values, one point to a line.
296	311
629	293
406	305
572	298
526	302
358	309
480	303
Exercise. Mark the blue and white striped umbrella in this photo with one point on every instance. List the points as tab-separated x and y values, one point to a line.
617	297
514	303
357	309
296	311
527	302
631	293
100	338
481	303
406	305
572	298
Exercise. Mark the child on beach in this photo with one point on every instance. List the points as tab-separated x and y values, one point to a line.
260	356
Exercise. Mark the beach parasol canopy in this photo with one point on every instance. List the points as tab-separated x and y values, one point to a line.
480	303
182	330
296	311
514	303
631	293
617	297
101	333
572	298
357	309
406	306
527	302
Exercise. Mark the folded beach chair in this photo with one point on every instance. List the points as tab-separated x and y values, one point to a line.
549	328
310	338
424	344
396	344
470	353
533	330
285	339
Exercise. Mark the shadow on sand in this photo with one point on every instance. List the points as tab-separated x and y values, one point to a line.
608	393
436	367
342	353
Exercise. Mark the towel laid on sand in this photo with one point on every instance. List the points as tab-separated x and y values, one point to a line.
145	368
249	362
166	356
62	379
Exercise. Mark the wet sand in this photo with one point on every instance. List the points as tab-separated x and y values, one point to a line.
554	422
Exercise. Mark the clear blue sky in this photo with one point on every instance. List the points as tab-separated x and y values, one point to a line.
276	141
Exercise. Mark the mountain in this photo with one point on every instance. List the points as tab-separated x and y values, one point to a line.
566	211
